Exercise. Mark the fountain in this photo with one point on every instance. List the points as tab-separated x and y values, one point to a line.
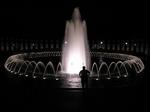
75	47
75	54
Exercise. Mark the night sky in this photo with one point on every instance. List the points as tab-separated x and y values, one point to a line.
47	20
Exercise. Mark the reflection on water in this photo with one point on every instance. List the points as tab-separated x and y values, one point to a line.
71	81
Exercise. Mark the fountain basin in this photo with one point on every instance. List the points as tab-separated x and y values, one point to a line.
104	65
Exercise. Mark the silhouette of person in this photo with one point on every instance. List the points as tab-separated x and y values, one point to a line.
84	77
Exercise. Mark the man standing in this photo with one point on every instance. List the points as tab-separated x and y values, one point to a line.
84	77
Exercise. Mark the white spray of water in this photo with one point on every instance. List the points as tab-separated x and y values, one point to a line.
75	46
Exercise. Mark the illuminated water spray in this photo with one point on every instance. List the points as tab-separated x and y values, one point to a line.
75	46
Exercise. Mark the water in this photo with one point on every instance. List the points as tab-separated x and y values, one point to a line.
75	46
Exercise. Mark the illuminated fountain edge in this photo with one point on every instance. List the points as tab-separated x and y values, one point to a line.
18	64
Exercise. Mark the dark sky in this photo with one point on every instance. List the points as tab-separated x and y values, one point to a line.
42	20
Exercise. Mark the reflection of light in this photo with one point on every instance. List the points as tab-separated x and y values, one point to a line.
108	78
66	42
33	44
125	76
57	79
126	43
101	42
34	77
117	77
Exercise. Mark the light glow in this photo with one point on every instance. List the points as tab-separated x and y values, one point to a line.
75	48
75	63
